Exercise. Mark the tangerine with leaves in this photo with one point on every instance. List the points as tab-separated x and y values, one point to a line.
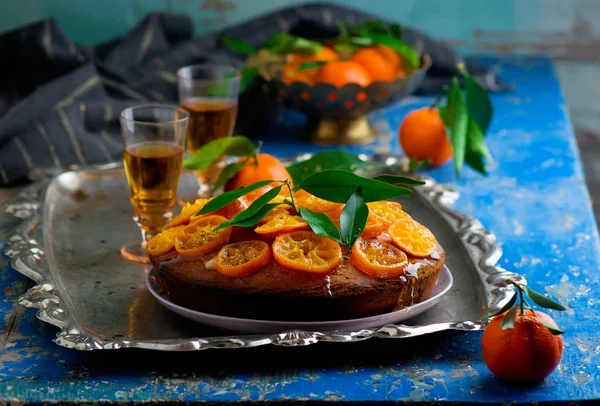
382	62
341	73
525	353
423	137
267	167
519	344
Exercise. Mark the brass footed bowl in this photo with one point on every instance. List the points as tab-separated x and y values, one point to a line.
337	116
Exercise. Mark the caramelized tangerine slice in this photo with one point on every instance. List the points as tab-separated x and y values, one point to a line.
279	222
187	212
163	242
412	237
243	258
388	212
377	258
307	252
315	203
200	236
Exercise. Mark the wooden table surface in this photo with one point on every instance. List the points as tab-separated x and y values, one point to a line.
535	200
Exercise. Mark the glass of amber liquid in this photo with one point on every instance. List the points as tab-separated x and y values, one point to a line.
154	139
210	94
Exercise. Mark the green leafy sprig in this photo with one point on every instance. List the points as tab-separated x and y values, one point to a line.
376	32
467	116
517	305
353	190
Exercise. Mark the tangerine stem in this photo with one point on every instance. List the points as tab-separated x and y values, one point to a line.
522	300
287	183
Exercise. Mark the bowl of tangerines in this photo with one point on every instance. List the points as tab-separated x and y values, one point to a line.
337	81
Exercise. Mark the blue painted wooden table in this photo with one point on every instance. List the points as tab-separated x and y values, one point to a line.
535	200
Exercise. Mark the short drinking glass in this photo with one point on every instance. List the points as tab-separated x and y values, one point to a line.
154	138
210	94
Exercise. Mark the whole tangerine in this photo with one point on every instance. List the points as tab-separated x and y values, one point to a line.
267	168
423	136
341	73
526	353
382	62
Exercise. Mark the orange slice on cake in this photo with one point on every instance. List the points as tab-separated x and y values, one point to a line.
307	252
243	258
200	236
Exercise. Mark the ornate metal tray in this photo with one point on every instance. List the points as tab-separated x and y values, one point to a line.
65	231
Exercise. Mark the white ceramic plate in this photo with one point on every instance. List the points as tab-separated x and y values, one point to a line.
442	286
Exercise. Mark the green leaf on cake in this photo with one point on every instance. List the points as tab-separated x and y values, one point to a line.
338	186
398	180
320	224
252	220
323	161
353	218
224	199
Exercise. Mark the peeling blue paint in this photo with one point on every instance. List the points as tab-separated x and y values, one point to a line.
535	200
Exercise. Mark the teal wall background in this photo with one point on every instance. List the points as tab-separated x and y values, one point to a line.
567	30
562	28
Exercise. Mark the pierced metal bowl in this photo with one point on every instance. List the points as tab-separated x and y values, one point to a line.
338	115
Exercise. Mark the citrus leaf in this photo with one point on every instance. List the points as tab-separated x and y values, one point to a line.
478	102
407	52
398	180
252	220
322	161
227	173
415	164
209	153
239	45
396	30
476	149
320	224
554	330
507	306
542	300
509	319
362	41
456	120
283	43
310	65
353	218
337	186
248	75
256	205
224	199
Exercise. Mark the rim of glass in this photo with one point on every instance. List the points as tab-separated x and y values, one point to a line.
237	74
185	114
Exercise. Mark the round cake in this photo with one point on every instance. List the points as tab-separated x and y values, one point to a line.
280	270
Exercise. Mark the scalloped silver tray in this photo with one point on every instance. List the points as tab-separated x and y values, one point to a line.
65	231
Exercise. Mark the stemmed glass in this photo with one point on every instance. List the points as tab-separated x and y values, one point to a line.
154	139
210	94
